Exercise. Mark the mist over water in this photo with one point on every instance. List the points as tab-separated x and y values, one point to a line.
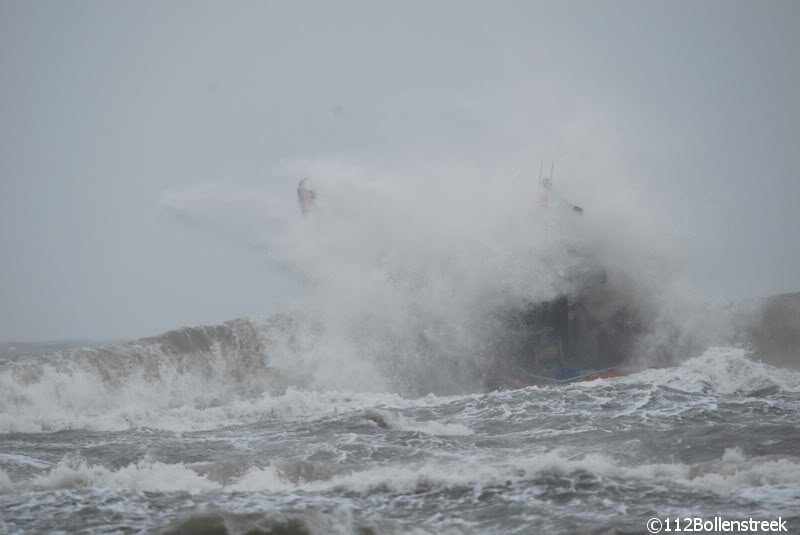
407	268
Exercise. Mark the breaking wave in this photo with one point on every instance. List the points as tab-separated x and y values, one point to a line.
722	370
291	523
158	381
245	370
732	473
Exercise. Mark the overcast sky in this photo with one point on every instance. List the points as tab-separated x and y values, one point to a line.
106	105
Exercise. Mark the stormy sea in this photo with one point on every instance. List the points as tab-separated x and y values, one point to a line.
364	405
193	432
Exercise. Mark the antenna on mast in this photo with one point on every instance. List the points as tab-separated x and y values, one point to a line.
546	180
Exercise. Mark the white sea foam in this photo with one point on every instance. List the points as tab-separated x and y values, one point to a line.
720	370
395	420
733	473
730	475
143	475
265	478
62	396
23	460
52	398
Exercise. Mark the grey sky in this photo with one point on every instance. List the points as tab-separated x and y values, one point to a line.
104	105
